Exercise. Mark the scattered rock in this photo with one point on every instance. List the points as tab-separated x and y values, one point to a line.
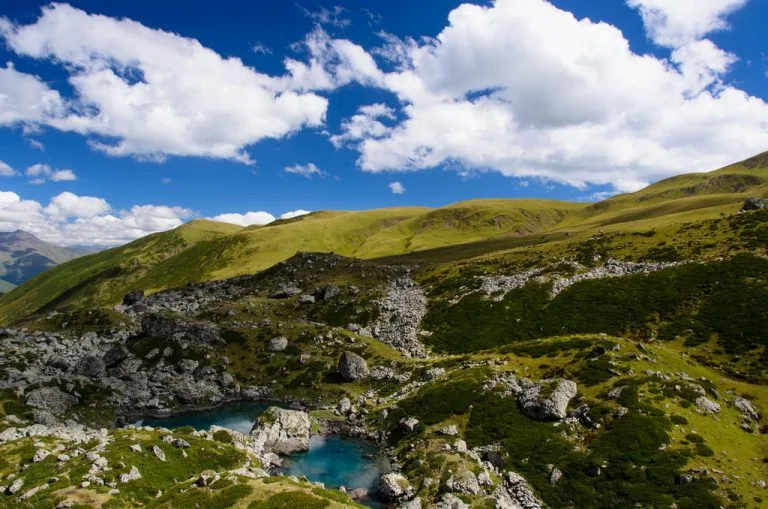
547	400
159	454
352	367
555	475
707	405
463	481
754	204
400	315
450	501
277	344
40	455
305	299
746	408
51	399
286	291
31	493
432	374
207	478
281	431
15	486
516	494
409	424
450	431
133	475
394	487
133	298
160	326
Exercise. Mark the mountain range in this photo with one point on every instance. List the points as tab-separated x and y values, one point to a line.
23	256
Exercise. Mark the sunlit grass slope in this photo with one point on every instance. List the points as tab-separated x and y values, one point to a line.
205	250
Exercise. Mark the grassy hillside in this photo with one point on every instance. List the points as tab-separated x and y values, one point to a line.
205	250
102	277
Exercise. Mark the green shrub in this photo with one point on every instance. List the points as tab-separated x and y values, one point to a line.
223	436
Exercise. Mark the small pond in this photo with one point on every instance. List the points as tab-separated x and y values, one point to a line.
238	416
333	460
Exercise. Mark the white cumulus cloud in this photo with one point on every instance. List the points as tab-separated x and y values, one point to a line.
675	23
295	213
40	173
147	93
526	89
248	219
69	219
396	188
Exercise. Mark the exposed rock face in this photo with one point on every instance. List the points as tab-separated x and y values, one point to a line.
352	367
115	355
707	405
328	292
746	408
305	299
277	344
400	315
463	481
51	399
133	298
286	291
92	366
500	286
754	204
449	501
281	431
450	431
516	494
547	400
161	326
394	487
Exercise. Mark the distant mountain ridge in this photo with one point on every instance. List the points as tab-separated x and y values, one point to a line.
23	256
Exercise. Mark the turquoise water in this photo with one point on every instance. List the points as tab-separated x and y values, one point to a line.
338	461
238	416
333	460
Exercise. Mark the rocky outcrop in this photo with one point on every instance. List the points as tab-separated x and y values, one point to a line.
516	493
543	400
67	432
754	204
400	315
450	501
497	287
547	400
707	405
394	487
277	344
746	408
160	326
133	298
281	431
463	481
51	399
352	367
286	291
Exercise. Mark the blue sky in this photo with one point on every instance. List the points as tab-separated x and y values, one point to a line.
121	118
